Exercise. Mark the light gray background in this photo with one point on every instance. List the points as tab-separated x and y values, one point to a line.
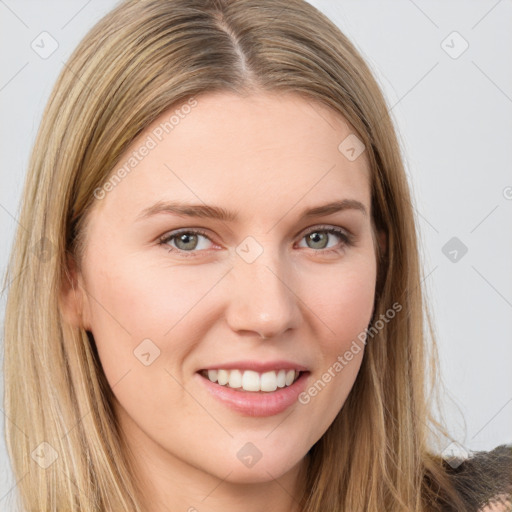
454	117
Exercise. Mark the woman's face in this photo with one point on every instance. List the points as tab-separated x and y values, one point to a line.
165	302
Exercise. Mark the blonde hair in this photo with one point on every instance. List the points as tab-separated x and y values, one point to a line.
141	59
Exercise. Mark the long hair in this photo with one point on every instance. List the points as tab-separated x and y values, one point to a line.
141	59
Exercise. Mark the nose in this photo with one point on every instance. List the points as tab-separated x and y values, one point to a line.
263	298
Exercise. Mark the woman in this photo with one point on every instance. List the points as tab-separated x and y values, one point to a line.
218	304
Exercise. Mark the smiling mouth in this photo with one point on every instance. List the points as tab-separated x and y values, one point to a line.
251	381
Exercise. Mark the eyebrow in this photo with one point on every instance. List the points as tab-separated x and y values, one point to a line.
219	213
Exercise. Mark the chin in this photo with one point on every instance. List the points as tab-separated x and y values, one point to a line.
255	475
263	470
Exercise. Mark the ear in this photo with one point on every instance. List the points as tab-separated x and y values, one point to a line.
73	300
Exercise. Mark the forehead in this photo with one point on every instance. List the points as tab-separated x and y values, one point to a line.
260	153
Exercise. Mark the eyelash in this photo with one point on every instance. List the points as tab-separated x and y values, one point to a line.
347	239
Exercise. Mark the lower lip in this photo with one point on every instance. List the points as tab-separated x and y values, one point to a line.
257	403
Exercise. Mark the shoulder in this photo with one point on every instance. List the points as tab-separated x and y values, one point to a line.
484	480
499	506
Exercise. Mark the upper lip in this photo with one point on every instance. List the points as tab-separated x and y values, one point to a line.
258	366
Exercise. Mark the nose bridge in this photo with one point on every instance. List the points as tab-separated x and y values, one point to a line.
263	300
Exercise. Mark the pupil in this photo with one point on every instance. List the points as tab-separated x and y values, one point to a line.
187	239
317	237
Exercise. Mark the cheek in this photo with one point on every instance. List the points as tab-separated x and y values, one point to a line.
132	301
352	301
344	307
145	321
143	300
342	297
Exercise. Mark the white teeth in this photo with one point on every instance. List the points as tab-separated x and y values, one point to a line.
281	379
235	379
250	380
268	381
290	375
222	377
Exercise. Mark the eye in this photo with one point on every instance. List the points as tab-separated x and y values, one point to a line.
187	242
184	241
318	238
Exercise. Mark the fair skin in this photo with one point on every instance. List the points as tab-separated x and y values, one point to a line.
496	507
267	158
